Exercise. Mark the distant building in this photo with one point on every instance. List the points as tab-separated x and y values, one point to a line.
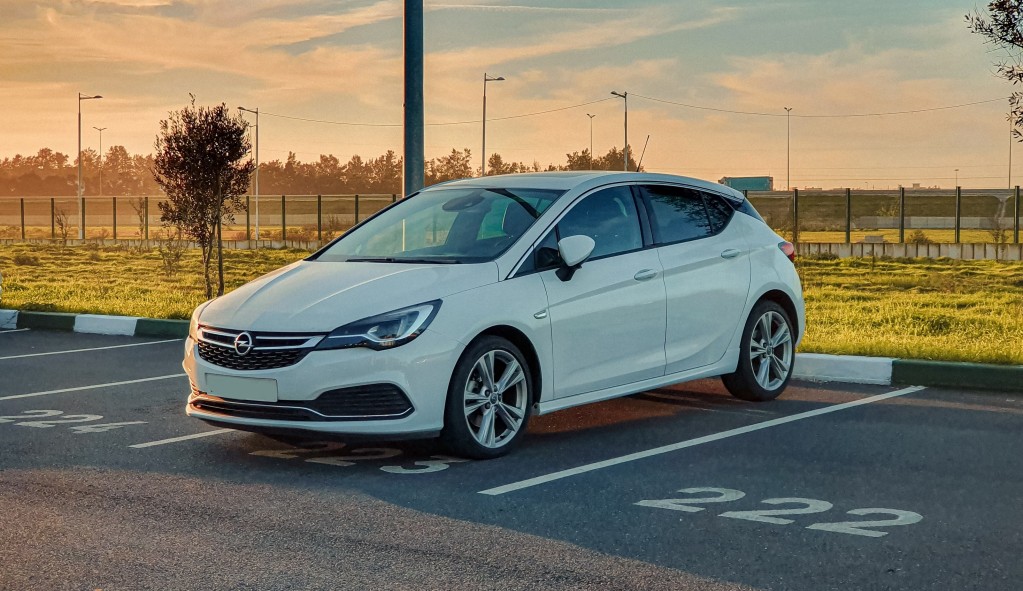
749	183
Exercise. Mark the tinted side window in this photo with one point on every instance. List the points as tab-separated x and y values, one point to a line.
609	217
718	210
677	214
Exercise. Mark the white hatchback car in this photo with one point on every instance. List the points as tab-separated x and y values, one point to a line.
467	307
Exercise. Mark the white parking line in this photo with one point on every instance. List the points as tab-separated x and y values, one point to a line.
93	387
90	349
14	330
182	438
500	490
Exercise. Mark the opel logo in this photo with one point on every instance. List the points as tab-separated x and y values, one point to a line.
243	343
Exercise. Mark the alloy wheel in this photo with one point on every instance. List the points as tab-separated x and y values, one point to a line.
495	398
770	350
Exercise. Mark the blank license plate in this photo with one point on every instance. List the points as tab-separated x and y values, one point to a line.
257	389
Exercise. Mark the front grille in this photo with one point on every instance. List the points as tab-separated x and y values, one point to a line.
255	359
268	350
376	401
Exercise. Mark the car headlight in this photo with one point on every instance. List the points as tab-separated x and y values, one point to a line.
193	324
385	331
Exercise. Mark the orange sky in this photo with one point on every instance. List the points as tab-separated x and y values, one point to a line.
342	62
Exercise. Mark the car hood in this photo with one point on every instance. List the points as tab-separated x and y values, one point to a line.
318	296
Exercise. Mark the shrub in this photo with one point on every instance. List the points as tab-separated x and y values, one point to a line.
25	259
918	237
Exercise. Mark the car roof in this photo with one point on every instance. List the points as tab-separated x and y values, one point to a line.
584	179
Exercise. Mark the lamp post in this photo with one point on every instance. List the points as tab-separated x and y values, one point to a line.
81	198
957	177
100	130
625	150
591	139
255	188
486	78
788	150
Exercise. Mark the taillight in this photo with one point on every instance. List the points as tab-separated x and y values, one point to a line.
789	250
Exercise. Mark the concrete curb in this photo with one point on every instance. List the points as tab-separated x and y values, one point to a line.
815	367
94	324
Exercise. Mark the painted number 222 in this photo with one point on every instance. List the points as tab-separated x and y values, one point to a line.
794	506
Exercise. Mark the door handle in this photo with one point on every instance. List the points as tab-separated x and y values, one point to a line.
730	253
645	274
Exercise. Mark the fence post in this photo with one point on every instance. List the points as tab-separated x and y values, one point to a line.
248	236
284	220
114	201
319	218
795	216
902	215
356	208
848	216
146	206
53	216
23	218
959	204
83	217
394	197
1015	218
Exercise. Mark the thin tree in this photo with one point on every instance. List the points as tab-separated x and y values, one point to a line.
1002	27
200	164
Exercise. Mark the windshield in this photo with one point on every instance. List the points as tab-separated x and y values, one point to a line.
457	225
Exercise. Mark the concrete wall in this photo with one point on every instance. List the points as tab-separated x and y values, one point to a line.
1009	252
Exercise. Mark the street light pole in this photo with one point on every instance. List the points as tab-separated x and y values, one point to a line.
788	150
591	139
957	177
255	188
81	198
486	78
100	130
625	150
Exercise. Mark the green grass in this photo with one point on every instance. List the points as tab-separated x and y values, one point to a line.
117	281
919	309
941	309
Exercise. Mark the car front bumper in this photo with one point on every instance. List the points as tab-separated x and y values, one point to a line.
421	369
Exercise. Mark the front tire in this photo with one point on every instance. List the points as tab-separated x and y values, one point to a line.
489	400
766	355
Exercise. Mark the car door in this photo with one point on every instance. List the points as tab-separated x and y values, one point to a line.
706	267
607	320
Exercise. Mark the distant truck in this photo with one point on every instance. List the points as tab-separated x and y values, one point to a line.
749	183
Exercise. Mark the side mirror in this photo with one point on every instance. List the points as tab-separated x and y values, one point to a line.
574	250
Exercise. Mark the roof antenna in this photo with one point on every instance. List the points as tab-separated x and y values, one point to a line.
643	153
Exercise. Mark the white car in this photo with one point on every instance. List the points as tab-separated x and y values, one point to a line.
469	306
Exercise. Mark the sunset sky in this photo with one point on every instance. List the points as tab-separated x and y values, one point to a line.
341	61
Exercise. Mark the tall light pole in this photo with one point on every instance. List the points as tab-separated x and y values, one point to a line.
81	198
788	150
486	78
591	139
100	130
255	188
957	177
625	150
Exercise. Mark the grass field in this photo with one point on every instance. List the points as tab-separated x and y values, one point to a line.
942	309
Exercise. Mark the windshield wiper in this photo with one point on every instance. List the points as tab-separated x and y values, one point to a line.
414	261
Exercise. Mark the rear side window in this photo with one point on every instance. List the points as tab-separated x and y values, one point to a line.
718	210
677	214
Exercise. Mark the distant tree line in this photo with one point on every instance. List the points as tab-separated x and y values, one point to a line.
54	174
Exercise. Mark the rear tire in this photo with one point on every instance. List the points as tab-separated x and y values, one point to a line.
489	401
766	355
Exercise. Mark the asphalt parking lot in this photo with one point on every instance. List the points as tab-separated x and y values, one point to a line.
106	484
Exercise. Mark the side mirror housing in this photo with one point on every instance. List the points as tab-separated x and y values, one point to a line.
574	250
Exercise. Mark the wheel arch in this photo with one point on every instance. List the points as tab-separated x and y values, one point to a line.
520	340
782	299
